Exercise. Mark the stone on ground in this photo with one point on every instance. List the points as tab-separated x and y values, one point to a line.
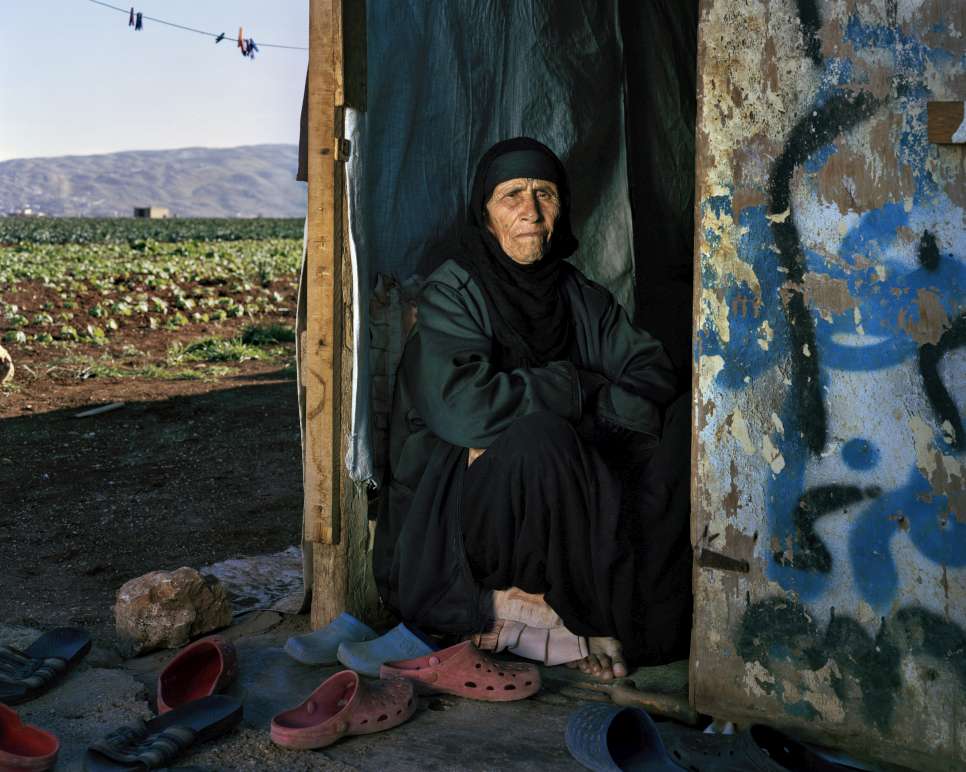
166	609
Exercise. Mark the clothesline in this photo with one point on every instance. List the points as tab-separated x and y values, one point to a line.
215	35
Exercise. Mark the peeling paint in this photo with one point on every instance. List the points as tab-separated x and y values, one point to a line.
832	244
772	455
945	473
931	320
738	429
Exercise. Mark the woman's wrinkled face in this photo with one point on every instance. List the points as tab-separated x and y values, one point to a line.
521	214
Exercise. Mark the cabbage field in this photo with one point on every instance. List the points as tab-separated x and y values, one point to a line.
146	289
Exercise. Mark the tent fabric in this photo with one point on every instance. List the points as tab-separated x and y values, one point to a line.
609	85
660	60
444	82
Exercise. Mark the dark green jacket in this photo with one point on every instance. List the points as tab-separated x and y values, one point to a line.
449	396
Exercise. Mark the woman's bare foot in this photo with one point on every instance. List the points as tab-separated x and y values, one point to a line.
605	661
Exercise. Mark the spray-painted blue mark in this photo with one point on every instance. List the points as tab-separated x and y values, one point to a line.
936	534
859	453
817	160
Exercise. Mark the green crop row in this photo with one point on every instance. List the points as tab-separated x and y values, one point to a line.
83	230
71	292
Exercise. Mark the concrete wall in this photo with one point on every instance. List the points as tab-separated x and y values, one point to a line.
830	372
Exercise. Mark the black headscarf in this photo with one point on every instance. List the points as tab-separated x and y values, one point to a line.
527	306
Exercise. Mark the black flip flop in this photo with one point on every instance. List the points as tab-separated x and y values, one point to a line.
29	673
154	744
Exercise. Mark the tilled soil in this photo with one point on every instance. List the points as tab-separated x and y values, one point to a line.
185	473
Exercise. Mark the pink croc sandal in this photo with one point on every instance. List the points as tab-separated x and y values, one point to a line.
203	668
25	747
343	705
466	672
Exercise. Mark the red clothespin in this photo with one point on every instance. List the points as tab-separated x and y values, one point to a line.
241	40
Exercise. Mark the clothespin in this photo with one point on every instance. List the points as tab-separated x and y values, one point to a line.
137	22
220	37
252	48
130	19
241	40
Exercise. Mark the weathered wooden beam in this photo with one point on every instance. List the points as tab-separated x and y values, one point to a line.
322	353
335	507
946	122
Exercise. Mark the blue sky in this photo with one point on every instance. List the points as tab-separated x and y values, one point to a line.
75	80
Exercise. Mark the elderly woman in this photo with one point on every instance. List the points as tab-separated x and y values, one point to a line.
503	514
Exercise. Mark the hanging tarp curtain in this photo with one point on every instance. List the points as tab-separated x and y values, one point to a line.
446	80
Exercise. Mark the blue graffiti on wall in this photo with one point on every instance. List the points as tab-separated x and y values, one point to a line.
803	564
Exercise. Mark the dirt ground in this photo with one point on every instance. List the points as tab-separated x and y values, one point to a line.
187	472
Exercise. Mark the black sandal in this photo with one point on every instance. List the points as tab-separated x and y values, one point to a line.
27	674
154	744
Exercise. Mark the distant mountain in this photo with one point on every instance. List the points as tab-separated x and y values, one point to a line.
192	182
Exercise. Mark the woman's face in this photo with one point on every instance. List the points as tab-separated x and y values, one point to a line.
521	214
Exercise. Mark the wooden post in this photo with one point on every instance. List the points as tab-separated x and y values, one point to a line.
322	370
334	507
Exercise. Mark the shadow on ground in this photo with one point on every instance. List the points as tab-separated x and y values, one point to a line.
86	504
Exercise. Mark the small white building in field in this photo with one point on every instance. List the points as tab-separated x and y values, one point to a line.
152	212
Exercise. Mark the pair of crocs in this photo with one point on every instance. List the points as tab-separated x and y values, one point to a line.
24	747
27	674
189	709
461	670
608	738
357	646
345	705
321	647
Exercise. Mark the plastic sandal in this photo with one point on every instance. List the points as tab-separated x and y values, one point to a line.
155	743
367	656
758	749
320	647
343	705
24	747
464	671
608	738
200	669
29	673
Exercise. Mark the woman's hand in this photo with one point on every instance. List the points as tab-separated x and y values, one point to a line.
474	454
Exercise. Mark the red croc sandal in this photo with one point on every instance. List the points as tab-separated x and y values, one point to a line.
465	671
344	705
24	747
199	670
